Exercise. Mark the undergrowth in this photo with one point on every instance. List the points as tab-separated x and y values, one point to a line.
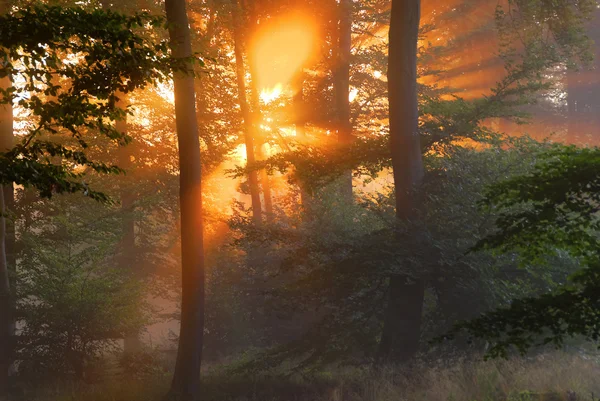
548	377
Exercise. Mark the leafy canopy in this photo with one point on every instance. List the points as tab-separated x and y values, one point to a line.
73	64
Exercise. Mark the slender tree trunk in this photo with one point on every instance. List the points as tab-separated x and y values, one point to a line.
299	117
11	241
127	259
250	8
342	86
186	380
246	115
258	135
6	310
7	324
572	117
266	185
402	324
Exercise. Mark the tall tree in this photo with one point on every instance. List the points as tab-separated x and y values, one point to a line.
583	102
186	380
246	114
342	84
6	303
401	332
257	118
127	254
6	194
132	62
126	260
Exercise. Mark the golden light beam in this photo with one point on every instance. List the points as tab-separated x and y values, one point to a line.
280	50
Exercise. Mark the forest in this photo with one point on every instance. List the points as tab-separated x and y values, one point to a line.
303	200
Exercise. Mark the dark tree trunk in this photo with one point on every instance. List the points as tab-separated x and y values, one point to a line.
583	102
6	311
265	182
402	323
572	126
299	120
7	326
246	115
186	380
399	339
11	241
342	86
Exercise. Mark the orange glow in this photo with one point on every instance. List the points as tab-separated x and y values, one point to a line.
165	90
269	95
280	50
352	95
238	154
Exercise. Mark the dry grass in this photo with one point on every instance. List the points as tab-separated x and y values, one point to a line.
545	378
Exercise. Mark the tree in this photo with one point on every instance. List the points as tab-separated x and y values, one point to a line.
186	380
124	62
6	301
249	124
444	119
73	301
341	83
132	341
401	331
552	208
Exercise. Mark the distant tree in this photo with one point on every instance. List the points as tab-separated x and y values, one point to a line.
73	302
249	124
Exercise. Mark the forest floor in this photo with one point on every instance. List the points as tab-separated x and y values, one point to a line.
547	377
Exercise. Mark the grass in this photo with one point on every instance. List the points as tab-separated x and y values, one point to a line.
549	377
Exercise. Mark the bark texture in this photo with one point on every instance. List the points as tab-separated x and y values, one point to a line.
402	322
186	380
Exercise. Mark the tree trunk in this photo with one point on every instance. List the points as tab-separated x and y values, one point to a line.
572	117
342	86
402	323
6	310
127	259
256	121
186	380
246	115
6	300
7	326
399	339
266	185
299	119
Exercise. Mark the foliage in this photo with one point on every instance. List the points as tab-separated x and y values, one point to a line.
73	303
327	267
79	61
558	205
553	207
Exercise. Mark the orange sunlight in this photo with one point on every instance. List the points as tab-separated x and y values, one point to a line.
280	50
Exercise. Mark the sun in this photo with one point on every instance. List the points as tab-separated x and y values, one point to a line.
280	50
